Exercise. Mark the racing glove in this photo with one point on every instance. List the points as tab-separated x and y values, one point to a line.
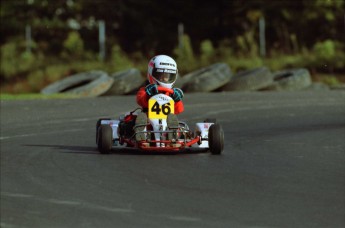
177	95
151	89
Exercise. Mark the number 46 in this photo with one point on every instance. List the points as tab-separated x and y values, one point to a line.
157	108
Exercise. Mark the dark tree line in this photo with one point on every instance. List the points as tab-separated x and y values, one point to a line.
150	26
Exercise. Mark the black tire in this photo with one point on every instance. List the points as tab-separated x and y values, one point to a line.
125	82
86	84
97	126
216	139
291	80
105	141
250	80
205	79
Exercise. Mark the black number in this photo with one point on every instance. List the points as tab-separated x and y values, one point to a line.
155	108
166	109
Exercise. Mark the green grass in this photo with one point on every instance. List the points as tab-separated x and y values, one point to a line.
35	96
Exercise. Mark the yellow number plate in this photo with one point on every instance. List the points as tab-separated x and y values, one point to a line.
157	111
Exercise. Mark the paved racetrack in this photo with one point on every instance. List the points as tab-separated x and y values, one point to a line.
283	165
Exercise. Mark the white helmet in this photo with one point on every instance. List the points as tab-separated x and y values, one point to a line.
162	70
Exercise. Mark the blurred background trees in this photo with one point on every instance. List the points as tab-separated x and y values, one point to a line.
64	36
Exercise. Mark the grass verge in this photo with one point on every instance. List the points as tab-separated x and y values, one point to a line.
35	96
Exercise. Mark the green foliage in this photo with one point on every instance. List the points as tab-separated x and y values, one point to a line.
8	60
279	61
139	61
310	20
27	60
243	63
328	54
56	72
80	66
325	50
35	80
327	9
16	61
73	45
247	44
299	34
225	49
207	52
331	81
254	15
119	60
185	55
21	87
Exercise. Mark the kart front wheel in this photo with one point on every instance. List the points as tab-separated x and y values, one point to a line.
97	127
210	120
216	139
105	141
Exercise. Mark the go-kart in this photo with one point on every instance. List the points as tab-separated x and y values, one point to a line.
159	137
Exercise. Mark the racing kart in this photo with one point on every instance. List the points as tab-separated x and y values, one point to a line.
159	137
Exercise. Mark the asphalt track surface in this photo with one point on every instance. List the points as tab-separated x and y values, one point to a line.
283	165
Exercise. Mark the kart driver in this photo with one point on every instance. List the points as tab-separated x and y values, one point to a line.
162	71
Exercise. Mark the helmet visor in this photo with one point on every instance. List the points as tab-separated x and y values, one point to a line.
164	75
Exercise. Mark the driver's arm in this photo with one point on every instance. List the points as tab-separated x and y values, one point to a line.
179	107
142	98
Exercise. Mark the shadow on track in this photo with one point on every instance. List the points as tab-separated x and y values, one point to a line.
116	151
69	149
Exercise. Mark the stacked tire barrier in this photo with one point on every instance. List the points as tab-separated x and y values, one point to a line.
125	82
216	77
97	83
86	84
290	80
250	80
205	79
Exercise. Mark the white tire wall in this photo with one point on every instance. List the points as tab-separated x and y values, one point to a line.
250	80
318	86
205	79
86	84
126	82
290	80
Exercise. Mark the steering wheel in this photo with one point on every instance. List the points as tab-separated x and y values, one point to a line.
167	91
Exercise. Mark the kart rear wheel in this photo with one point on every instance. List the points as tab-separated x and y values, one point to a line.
105	141
216	139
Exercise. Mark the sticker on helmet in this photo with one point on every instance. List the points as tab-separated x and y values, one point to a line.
167	64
